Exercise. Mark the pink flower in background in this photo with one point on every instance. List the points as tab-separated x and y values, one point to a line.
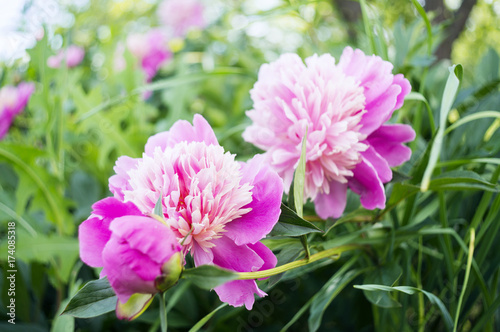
71	56
151	49
217	207
344	107
12	102
179	16
134	250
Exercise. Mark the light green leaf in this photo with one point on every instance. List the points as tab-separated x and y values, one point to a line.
299	179
205	319
449	94
410	291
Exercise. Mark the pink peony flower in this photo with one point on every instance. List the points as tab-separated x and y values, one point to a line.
151	49
12	101
136	252
217	207
179	16
71	56
344	107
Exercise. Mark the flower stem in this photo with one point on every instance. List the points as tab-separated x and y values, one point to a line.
292	265
163	313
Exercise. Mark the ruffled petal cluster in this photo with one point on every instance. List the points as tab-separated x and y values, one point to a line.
12	102
72	56
344	108
180	16
132	249
219	209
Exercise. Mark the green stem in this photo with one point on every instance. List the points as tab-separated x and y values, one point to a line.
296	264
163	313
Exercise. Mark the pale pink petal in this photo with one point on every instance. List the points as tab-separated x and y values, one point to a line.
333	203
183	131
119	182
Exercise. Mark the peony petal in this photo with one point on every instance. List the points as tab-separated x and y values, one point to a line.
112	208
239	292
93	234
119	261
146	235
381	166
266	254
367	184
266	201
333	203
119	182
183	131
230	256
387	141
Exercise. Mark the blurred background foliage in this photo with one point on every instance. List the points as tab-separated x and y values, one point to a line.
57	158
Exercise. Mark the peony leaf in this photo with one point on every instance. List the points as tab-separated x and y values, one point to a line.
94	299
208	276
410	291
158	210
134	307
299	179
290	224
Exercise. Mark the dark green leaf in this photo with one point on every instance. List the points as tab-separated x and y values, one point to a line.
208	276
290	224
384	275
94	299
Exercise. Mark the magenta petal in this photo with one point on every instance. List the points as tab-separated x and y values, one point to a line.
239	292
387	141
379	110
381	166
230	256
146	235
119	182
266	254
93	234
117	257
367	184
112	208
183	131
332	204
266	201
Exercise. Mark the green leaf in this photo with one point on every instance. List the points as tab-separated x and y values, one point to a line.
449	94
385	275
410	291
299	179
326	295
205	319
461	180
94	299
208	276
158	210
290	224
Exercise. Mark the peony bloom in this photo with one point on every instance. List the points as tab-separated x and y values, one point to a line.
138	253
12	101
344	107
180	16
71	56
218	208
151	49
